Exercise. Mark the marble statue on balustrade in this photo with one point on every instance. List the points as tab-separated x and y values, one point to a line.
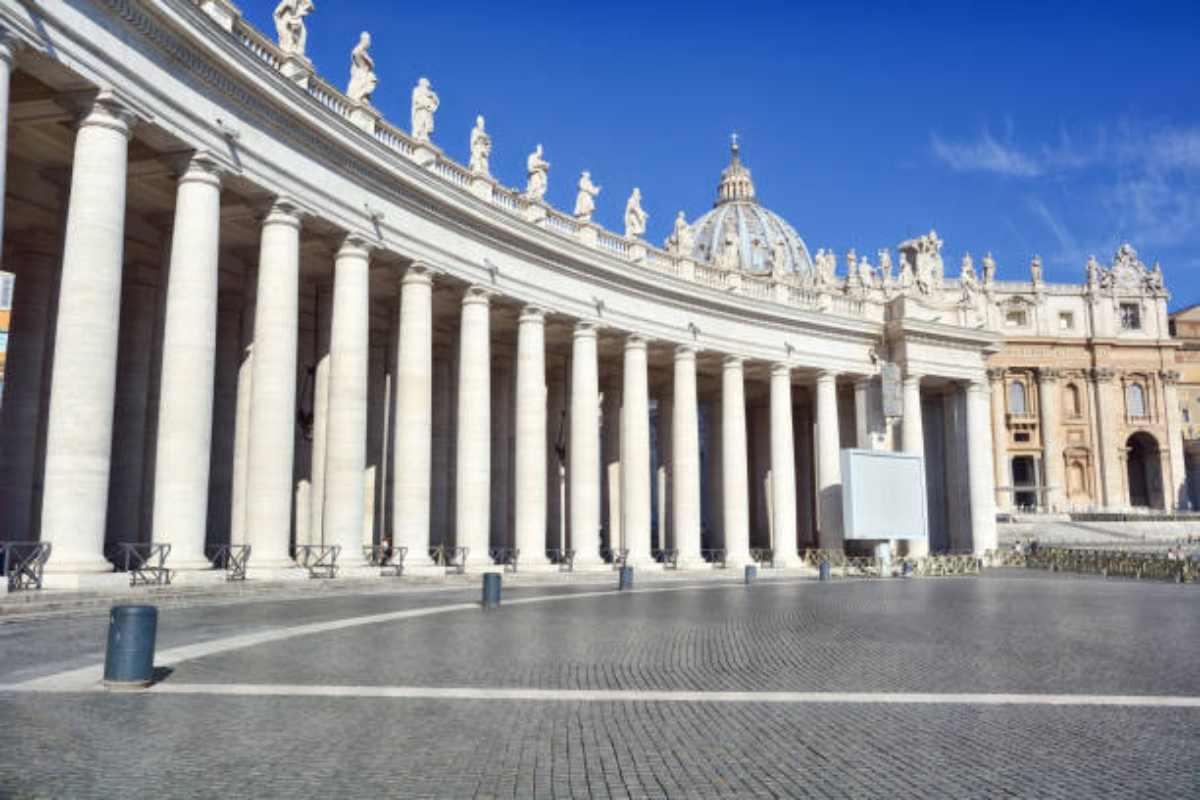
538	170
989	271
1093	274
925	256
481	149
289	26
779	259
968	281
853	280
585	200
362	72
907	279
866	274
424	104
681	242
635	217
826	268
1035	270
885	268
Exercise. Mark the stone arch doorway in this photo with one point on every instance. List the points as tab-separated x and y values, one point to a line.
1144	468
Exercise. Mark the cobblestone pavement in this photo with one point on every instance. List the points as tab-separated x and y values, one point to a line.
1008	632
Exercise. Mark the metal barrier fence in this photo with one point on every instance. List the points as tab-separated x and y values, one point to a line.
1116	563
232	558
22	563
146	562
933	565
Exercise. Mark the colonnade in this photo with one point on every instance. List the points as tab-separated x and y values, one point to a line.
78	446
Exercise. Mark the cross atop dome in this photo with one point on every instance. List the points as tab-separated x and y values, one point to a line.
735	184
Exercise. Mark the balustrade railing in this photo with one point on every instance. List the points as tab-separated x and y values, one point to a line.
394	139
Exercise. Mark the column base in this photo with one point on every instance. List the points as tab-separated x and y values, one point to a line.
198	577
694	564
541	567
425	568
77	566
645	565
193	564
275	571
86	581
591	565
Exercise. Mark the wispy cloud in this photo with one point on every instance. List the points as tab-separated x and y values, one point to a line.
1069	250
985	155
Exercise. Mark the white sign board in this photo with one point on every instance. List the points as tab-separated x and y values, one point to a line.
883	495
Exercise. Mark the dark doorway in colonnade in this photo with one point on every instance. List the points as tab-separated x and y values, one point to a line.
1144	468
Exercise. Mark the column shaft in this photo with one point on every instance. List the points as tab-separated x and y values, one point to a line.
272	442
414	416
530	446
783	468
913	442
685	459
320	418
79	433
241	432
185	410
584	449
346	443
999	438
829	465
635	453
1053	467
734	470
979	467
474	464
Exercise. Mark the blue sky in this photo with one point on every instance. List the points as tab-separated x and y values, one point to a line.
1058	129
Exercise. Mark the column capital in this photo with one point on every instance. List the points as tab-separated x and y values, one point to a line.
103	109
779	369
634	341
354	246
827	376
996	374
1103	374
1170	377
418	272
533	315
283	211
477	295
1048	374
585	329
975	385
199	166
685	352
732	362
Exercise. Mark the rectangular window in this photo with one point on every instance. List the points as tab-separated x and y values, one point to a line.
1066	321
1015	319
1131	317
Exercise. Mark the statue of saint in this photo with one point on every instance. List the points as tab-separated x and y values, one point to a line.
865	274
779	257
289	25
481	148
585	201
989	270
635	217
967	280
1093	273
681	242
885	266
539	175
1035	269
362	71
906	279
1155	281
424	103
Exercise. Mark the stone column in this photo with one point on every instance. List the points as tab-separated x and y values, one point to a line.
241	432
663	458
999	437
320	420
272	442
36	259
1176	486
189	348
610	425
413	435
8	46
474	464
829	464
783	468
635	453
734	470
979	468
79	431
1053	468
1112	474
346	442
685	460
862	413
530	502
913	442
583	452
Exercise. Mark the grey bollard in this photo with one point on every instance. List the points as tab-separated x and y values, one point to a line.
129	660
491	589
824	571
625	578
751	573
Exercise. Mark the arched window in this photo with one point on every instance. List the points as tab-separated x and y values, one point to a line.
1072	402
1016	398
1135	400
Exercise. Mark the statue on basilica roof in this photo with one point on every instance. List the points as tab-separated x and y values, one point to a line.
289	26
1035	270
362	71
481	148
635	217
424	104
681	241
538	170
585	200
989	270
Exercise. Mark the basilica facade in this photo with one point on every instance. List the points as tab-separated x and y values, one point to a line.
250	310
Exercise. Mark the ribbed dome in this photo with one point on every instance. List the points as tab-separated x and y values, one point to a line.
752	231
